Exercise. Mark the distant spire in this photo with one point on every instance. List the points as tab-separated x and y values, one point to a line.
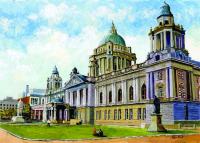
113	29
165	3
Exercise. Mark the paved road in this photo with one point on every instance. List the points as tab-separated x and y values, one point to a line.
7	138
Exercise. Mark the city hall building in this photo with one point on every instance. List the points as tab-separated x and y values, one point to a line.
118	90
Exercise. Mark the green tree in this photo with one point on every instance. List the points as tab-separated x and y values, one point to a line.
27	112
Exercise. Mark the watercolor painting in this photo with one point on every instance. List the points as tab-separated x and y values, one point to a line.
105	71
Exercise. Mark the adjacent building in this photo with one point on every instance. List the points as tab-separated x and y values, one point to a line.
8	103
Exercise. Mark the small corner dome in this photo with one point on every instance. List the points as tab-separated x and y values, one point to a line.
57	100
165	10
113	37
55	70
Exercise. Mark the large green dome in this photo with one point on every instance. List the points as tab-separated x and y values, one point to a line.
113	37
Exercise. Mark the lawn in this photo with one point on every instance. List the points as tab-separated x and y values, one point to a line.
78	132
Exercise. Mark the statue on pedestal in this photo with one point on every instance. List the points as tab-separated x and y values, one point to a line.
20	108
19	118
156	118
156	103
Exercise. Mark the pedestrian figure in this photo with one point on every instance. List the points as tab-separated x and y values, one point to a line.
48	123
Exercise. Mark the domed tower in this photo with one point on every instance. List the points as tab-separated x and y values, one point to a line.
112	54
167	37
54	82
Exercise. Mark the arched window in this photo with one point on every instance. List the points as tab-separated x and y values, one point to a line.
119	95
101	98
143	91
130	93
110	97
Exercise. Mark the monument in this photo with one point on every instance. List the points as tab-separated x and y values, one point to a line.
156	118
19	118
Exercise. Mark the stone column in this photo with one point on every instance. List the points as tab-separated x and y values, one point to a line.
117	59
113	93
51	113
171	38
67	96
154	43
71	98
90	95
151	42
161	40
104	95
84	97
39	114
99	63
96	96
35	112
124	91
111	64
172	83
54	113
137	89
44	113
167	83
152	85
165	39
192	86
78	98
148	80
134	89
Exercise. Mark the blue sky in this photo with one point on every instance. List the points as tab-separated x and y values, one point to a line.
35	35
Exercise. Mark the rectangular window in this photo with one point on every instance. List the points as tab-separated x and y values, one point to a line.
168	38
115	114
81	96
100	115
96	115
139	114
126	114
86	96
119	114
186	112
74	97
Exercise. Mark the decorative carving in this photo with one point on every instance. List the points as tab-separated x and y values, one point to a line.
159	75
181	84
74	81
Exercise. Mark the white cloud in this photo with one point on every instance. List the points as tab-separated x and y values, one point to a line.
193	42
140	46
55	13
49	47
33	17
5	24
111	14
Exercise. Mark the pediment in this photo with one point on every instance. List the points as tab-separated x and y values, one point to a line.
75	80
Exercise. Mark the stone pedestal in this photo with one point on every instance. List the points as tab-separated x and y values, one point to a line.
156	124
18	119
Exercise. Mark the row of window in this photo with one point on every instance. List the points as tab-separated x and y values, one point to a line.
119	94
8	105
128	114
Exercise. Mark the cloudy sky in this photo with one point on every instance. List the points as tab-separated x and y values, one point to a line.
35	35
